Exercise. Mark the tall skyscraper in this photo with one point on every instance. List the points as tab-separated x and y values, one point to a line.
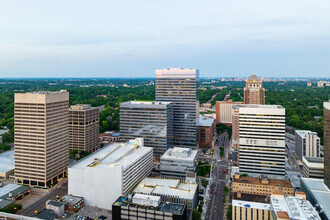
262	140
84	127
152	121
180	86
254	93
326	138
41	137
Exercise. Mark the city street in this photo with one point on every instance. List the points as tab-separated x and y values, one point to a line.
57	191
215	206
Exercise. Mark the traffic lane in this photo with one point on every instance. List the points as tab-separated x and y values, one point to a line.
41	203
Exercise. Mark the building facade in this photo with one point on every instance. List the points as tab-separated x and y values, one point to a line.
261	185
224	111
180	86
254	92
262	140
235	127
41	137
141	206
307	144
205	128
178	162
313	167
152	121
84	128
326	137
110	172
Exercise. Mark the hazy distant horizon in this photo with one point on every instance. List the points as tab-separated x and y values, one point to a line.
131	38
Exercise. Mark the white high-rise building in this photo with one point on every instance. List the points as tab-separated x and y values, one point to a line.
110	172
262	140
307	144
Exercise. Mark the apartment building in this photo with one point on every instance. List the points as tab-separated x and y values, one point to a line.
262	140
254	92
41	137
152	121
178	162
307	144
180	86
261	185
110	172
84	127
313	167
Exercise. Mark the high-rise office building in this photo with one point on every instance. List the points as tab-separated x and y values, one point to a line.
326	136
152	121
307	144
254	93
41	137
262	140
84	128
180	86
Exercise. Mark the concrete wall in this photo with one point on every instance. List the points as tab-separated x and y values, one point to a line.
98	187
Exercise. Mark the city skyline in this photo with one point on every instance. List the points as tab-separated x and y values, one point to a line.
131	39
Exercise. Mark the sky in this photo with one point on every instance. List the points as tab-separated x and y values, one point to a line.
132	38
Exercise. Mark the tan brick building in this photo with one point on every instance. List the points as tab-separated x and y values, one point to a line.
84	128
41	137
254	93
261	185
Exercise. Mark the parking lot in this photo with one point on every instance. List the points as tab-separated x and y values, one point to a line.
89	212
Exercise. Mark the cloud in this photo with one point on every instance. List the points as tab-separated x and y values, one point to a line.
130	31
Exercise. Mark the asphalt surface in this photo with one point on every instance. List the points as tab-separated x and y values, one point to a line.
215	205
59	190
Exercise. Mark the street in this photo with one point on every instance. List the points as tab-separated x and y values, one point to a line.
218	180
57	191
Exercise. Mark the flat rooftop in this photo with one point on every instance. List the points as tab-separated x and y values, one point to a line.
145	104
171	187
180	154
304	133
204	121
257	181
71	200
176	209
315	184
114	154
252	198
251	201
7	162
82	107
14	190
296	208
258	106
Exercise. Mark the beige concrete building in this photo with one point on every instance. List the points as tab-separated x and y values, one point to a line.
313	167
254	93
261	185
224	111
41	137
84	128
